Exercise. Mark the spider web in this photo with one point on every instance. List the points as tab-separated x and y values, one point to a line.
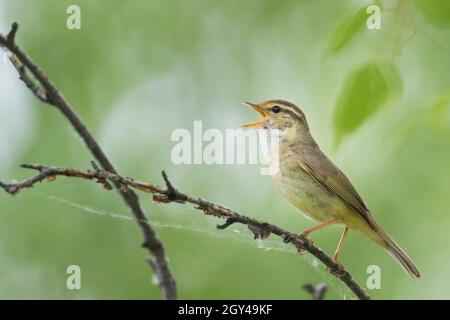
236	235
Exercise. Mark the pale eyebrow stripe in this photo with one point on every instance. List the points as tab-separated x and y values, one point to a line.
293	111
288	106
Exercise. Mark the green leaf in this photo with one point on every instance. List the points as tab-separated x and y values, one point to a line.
347	29
435	12
363	93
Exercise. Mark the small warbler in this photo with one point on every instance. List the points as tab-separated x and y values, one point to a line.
313	184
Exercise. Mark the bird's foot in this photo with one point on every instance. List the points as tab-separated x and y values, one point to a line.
304	236
339	270
301	248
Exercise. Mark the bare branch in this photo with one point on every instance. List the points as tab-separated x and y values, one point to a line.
9	42
47	92
23	75
171	194
10	38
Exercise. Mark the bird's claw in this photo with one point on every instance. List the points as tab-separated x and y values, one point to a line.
301	248
305	237
339	271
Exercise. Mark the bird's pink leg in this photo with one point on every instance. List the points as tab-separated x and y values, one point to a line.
339	247
320	226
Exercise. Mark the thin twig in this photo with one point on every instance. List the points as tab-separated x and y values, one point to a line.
171	194
10	37
47	92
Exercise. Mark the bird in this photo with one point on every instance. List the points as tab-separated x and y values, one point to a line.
314	185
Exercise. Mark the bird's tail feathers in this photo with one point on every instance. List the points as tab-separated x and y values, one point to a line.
394	249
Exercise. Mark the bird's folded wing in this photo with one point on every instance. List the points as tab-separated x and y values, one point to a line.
317	164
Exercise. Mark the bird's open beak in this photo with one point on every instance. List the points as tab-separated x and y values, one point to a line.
260	110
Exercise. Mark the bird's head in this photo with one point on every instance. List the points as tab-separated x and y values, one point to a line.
278	114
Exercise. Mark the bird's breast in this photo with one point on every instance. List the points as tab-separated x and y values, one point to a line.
303	191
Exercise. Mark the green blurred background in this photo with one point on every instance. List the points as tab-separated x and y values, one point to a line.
377	102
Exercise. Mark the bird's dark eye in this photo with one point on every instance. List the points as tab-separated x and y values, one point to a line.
276	109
